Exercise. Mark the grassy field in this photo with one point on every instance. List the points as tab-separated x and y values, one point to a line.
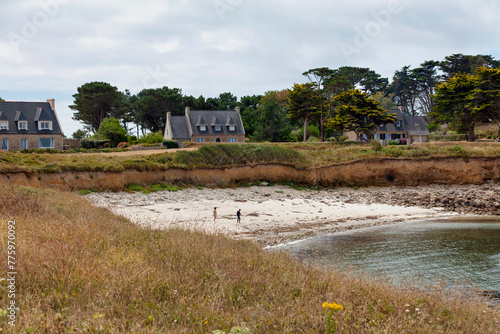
301	155
82	269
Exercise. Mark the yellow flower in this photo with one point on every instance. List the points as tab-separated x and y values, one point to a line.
333	306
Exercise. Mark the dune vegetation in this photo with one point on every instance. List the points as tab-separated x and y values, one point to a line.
82	269
300	155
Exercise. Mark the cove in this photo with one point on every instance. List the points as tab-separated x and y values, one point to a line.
466	251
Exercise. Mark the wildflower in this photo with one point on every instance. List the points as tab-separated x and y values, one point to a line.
333	306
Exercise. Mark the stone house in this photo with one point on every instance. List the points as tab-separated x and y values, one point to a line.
206	126
410	129
29	125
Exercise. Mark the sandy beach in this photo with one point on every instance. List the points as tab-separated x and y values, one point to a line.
269	214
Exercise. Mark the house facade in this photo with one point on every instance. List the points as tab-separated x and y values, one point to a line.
29	125
409	129
206	126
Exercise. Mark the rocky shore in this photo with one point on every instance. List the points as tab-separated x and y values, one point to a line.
481	199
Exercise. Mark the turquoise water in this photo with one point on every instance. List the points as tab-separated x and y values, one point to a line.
431	250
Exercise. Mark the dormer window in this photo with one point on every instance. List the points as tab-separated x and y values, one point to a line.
44	125
231	128
203	128
417	126
398	123
217	128
4	125
22	125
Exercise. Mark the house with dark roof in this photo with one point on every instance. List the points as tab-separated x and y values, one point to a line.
206	126
29	125
410	129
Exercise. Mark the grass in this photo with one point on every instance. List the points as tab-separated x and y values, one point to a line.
83	269
300	155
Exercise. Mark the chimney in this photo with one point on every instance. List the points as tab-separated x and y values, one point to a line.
52	103
237	109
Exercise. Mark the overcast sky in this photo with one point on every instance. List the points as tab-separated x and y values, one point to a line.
48	48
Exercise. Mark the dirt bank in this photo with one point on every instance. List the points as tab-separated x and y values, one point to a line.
381	172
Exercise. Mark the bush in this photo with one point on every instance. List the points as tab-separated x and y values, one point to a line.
123	144
90	143
151	138
342	138
112	130
170	144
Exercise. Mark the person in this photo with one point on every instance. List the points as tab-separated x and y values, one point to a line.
238	214
215	213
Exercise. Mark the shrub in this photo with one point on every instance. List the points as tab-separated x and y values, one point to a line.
170	144
90	143
112	130
342	138
123	144
151	138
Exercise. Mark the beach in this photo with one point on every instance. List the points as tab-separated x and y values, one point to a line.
277	214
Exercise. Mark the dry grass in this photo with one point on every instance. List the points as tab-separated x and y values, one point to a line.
84	270
303	155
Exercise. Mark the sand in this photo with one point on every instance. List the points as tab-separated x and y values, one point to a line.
269	215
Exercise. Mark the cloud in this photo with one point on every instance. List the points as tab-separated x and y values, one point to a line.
245	47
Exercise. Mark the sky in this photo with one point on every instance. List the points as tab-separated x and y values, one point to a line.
49	48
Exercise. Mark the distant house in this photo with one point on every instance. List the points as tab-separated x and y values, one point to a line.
411	129
206	126
29	125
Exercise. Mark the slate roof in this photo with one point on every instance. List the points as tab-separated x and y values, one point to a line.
212	118
179	127
414	125
31	112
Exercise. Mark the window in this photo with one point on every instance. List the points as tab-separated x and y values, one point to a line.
22	125
375	136
217	128
232	140
200	140
4	125
232	128
46	143
203	128
24	143
382	136
45	125
5	144
398	123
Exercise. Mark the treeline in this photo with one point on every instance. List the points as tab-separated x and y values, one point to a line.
333	100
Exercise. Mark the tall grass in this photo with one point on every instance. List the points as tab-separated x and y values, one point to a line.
83	269
229	155
303	155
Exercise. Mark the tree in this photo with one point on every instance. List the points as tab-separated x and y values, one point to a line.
359	113
112	130
486	95
79	134
94	102
2	100
452	104
465	64
152	106
272	123
405	90
250	116
303	104
318	76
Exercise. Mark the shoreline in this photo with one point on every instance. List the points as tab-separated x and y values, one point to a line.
279	214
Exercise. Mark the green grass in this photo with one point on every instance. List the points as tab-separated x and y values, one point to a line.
299	155
84	270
